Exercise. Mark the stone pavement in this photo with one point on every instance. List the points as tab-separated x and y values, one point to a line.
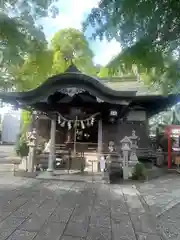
32	209
162	196
5	151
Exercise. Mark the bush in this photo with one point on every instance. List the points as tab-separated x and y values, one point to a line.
163	143
139	172
22	148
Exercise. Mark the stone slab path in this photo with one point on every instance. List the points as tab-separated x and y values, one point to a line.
162	196
32	209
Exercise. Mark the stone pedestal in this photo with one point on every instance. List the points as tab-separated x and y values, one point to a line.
95	166
24	164
31	157
133	160
126	172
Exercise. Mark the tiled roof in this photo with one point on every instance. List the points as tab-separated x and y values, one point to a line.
130	84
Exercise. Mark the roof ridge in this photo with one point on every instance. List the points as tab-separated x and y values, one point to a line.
123	79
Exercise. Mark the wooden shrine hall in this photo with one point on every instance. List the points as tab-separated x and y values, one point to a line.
85	113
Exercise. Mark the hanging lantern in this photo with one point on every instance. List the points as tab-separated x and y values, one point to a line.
59	119
92	120
82	125
63	124
113	115
69	125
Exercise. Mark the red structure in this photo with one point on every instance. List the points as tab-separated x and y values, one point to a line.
169	130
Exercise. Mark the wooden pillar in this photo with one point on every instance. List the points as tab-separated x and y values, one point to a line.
52	152
99	139
68	137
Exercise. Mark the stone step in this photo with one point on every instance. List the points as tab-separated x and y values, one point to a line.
6	167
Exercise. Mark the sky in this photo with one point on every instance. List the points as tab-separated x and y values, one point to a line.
71	14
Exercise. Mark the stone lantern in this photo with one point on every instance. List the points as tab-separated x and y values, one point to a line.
111	146
134	139
31	142
133	157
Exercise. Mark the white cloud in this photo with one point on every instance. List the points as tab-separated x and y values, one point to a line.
106	51
71	14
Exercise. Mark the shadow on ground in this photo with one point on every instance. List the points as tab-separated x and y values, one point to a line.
32	209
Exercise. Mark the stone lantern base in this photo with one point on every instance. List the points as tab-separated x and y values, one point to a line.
126	173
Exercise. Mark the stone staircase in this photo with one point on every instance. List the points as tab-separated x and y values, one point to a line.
6	167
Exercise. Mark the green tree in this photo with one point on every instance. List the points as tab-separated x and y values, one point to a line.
70	45
103	72
20	29
160	72
21	34
149	35
45	62
132	20
33	71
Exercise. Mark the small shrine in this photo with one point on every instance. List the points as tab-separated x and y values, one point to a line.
79	115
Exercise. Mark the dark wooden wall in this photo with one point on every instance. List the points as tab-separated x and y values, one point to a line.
116	132
44	128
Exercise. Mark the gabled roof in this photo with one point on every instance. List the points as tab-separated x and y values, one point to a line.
73	78
132	84
72	69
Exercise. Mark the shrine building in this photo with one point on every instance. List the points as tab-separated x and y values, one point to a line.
87	114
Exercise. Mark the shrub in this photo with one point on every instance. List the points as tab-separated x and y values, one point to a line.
21	148
139	172
163	143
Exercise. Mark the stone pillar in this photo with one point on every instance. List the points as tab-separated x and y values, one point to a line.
31	159
99	140
126	148
52	151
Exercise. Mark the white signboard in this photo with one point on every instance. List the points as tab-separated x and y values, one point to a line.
136	116
176	131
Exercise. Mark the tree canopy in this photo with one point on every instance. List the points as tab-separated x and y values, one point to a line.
67	46
70	45
129	21
149	35
20	31
33	70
